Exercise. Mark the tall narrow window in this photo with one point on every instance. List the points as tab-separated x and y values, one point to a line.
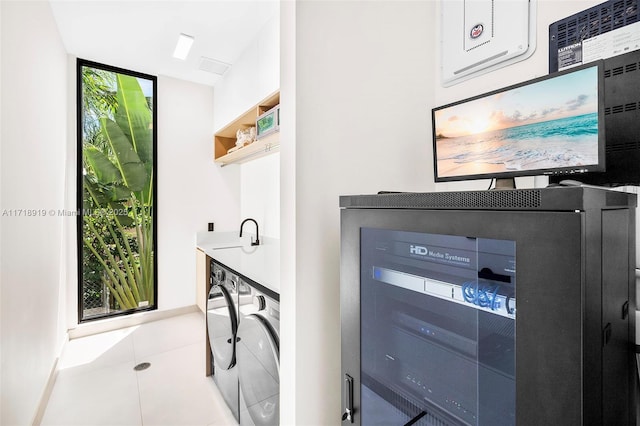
116	191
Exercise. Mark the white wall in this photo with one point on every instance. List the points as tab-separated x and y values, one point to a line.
69	231
364	78
34	132
1	208
288	220
192	190
253	77
260	193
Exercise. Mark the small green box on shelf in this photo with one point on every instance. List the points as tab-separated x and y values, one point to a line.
269	122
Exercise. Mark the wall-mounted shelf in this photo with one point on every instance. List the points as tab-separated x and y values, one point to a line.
225	138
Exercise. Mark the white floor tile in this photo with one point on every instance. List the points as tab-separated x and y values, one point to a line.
96	383
97	351
176	379
105	396
165	335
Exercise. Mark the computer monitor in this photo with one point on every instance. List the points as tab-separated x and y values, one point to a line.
551	125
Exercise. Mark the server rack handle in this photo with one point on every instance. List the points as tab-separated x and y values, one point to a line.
348	393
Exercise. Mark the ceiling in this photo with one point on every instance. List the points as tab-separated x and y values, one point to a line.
140	35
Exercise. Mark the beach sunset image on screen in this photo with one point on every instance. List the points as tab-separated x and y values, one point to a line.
549	124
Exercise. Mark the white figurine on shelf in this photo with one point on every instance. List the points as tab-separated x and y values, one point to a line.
243	138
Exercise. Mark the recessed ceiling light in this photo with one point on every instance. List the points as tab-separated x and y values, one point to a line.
183	46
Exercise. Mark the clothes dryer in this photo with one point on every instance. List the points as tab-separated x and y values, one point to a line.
258	353
222	326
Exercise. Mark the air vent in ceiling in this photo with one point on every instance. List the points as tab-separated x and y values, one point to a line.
213	66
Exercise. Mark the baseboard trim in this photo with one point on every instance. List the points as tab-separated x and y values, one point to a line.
110	324
48	389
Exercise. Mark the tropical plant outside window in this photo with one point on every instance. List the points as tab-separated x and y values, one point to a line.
116	191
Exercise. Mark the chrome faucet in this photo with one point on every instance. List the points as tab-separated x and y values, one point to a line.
257	241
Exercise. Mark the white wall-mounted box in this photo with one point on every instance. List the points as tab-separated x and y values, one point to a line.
482	35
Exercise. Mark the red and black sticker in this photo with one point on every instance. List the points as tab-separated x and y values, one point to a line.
476	31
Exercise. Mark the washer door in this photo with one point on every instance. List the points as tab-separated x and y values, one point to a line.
223	325
259	370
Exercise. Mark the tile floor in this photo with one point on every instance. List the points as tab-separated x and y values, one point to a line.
97	385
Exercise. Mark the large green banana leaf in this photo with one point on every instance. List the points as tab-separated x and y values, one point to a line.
94	193
133	172
105	171
102	197
106	174
134	118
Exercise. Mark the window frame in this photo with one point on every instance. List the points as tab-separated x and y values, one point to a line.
153	304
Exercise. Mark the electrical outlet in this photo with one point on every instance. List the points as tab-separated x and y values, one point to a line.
210	226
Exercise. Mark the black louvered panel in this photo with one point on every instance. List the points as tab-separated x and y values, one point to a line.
589	23
622	129
445	200
616	147
583	27
617	109
572	28
601	19
618	14
605	20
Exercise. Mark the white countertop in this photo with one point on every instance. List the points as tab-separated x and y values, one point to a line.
258	263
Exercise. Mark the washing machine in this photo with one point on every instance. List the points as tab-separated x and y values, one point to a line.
258	354
222	328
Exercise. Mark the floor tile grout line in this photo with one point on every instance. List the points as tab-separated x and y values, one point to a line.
138	359
164	351
135	363
139	398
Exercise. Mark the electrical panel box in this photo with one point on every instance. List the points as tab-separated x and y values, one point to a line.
490	35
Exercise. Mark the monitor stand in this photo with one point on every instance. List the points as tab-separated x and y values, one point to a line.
505	183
